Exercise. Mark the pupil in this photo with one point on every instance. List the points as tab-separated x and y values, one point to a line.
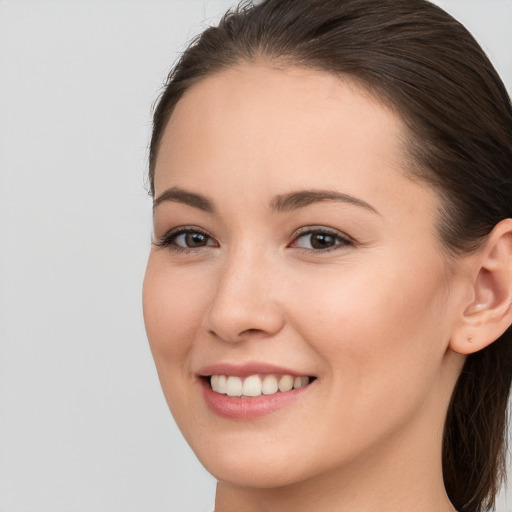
195	240
322	241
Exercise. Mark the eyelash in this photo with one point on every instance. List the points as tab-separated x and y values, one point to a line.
168	240
341	240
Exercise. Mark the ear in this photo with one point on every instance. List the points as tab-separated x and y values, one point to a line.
489	312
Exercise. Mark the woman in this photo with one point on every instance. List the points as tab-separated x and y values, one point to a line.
328	295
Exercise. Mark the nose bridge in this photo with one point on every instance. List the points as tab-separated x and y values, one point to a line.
244	303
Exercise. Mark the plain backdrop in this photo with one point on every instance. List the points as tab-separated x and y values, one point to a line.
83	423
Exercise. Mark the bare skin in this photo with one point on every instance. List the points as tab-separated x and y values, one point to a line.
354	291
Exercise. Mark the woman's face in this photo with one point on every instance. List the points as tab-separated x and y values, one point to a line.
289	243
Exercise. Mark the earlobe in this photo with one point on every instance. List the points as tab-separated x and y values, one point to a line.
489	314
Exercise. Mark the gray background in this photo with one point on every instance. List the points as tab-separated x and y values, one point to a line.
83	424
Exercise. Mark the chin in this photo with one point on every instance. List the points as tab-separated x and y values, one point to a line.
254	471
249	459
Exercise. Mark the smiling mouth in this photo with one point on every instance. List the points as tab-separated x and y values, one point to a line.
256	385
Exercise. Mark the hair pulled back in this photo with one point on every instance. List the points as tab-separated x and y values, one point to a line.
428	68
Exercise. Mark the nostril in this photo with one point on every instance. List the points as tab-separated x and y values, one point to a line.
250	331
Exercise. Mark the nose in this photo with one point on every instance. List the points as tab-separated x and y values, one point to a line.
245	304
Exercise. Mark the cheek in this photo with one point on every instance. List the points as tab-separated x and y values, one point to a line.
374	326
173	305
380	337
173	302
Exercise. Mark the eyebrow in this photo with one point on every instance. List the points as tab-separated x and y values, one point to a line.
303	198
178	195
281	203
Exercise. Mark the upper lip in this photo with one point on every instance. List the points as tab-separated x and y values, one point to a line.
247	369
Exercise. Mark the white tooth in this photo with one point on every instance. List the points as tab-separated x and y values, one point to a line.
269	385
286	383
305	381
214	382
234	386
297	383
252	386
222	385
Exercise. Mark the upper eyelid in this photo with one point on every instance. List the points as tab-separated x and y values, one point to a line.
314	229
185	229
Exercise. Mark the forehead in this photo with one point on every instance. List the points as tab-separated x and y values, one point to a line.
276	115
263	92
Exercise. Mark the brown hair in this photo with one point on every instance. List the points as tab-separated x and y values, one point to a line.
430	70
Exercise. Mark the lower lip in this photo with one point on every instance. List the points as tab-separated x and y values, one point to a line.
248	408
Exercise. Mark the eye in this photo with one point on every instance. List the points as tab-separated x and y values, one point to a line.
186	239
320	240
192	239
